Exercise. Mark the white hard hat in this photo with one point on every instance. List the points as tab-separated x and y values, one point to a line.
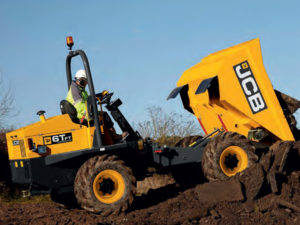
80	74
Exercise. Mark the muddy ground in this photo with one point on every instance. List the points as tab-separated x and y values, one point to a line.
172	204
266	193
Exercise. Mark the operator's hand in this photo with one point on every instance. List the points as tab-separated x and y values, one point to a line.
82	119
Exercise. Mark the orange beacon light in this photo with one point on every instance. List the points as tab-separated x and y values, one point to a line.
70	42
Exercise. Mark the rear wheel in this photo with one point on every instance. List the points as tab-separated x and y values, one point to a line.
104	185
227	154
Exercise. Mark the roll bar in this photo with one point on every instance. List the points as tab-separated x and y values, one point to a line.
85	61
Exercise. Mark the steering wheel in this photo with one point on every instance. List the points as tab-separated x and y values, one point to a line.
106	98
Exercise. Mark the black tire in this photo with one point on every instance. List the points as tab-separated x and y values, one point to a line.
89	177
212	161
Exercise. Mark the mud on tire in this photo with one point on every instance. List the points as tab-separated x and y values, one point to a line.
211	165
90	172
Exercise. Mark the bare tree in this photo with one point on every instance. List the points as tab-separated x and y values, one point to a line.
167	128
7	107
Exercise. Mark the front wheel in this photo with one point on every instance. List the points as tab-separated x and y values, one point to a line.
104	184
227	154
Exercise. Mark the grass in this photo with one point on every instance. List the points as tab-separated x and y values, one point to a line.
26	200
13	194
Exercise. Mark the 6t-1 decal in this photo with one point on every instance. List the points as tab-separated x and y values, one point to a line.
58	138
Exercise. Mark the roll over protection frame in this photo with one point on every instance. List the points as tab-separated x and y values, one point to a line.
91	87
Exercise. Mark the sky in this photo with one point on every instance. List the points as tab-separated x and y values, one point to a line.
137	49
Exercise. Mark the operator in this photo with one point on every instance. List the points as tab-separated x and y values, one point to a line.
77	96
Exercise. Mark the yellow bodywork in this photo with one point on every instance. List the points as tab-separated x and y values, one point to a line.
229	109
41	134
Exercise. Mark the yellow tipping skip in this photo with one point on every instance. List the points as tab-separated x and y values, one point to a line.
231	90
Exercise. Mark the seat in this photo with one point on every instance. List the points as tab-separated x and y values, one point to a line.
67	108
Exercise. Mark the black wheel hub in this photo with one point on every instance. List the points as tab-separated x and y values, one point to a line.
231	161
107	186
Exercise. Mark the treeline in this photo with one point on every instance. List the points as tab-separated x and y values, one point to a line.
167	128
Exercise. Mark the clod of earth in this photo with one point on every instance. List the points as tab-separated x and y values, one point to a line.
252	180
218	191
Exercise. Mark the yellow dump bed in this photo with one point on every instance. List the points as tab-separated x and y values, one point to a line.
231	90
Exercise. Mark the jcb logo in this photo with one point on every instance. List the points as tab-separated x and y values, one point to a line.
250	87
47	140
57	139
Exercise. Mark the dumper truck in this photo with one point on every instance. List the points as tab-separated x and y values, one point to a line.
230	94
